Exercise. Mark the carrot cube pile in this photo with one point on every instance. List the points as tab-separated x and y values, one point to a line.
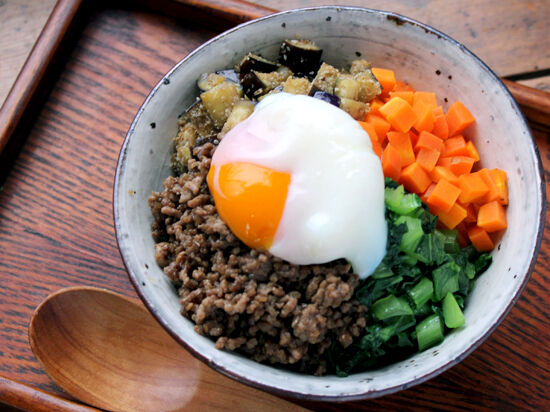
426	150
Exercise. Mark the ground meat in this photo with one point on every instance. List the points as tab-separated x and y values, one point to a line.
248	301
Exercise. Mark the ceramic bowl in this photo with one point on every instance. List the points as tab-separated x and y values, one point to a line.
420	55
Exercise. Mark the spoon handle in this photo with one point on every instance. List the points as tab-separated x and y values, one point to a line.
24	397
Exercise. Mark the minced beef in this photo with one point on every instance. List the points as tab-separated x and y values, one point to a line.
249	301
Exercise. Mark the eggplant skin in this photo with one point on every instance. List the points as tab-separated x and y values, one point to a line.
253	86
253	62
303	57
325	96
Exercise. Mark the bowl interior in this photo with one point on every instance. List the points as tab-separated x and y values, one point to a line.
427	60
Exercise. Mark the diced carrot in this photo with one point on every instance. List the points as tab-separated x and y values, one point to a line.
458	118
472	151
472	187
402	142
455	146
441	172
380	125
414	137
492	217
480	239
471	215
493	192
414	178
402	87
501	182
426	97
461	164
444	161
391	163
427	158
426	140
453	217
424	116
369	128
399	113
406	95
440	128
386	78
444	196
375	104
424	196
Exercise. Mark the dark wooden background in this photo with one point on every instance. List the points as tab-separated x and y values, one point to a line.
56	226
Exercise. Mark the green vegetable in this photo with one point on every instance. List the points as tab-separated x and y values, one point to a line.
390	307
429	332
411	238
445	280
416	292
403	204
451	312
422	292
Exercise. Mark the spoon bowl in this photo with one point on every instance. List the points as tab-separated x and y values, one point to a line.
107	351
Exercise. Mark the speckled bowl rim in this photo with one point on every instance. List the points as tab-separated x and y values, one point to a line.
399	20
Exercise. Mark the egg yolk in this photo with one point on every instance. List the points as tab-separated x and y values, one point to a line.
250	199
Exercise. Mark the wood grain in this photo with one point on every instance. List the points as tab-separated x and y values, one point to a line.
39	64
22	22
27	398
56	221
108	351
534	103
508	35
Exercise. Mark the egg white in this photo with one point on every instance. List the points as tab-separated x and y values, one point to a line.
335	203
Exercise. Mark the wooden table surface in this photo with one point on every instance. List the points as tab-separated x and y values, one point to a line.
56	225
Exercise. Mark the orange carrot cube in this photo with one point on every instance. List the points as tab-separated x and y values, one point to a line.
461	165
386	78
424	116
458	118
406	95
369	128
414	178
426	140
441	172
402	142
444	196
501	182
440	128
472	151
444	161
424	196
455	146
471	215
492	217
492	192
391	162
399	114
380	125
480	239
453	217
427	158
472	187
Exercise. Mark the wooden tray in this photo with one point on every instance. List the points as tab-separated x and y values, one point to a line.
62	127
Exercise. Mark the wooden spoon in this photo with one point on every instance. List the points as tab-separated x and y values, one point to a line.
108	351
